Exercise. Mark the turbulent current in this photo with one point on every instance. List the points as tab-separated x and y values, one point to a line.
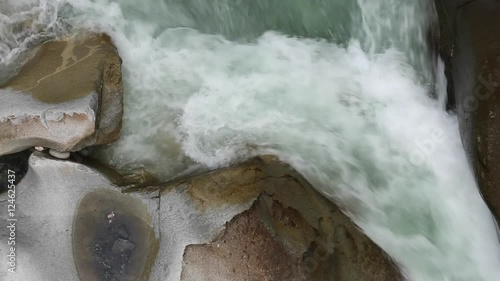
344	90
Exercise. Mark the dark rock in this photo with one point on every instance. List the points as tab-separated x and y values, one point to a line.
123	232
111	239
470	44
122	246
18	165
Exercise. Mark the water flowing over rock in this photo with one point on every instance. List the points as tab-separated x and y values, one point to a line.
259	220
471	46
68	96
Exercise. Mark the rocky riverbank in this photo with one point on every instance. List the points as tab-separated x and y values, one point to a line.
255	221
259	220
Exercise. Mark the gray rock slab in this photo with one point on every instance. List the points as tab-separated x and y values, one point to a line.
46	204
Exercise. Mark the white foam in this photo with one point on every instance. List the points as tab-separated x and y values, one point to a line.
24	24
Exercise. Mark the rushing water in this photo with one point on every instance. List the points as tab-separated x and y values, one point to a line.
341	89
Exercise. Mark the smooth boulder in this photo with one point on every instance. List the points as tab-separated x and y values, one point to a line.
471	46
291	232
68	96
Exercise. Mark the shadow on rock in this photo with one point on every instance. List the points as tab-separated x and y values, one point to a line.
17	163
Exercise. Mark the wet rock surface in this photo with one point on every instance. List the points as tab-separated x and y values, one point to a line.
44	105
290	233
471	47
112	237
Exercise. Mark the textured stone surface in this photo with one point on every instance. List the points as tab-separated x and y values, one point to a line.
290	233
67	96
470	43
187	219
247	250
55	224
113	237
259	220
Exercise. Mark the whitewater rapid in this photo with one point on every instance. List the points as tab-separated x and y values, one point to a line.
339	89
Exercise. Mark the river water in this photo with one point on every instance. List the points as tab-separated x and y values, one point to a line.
347	91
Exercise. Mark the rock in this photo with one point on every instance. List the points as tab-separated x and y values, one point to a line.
123	232
58	154
68	96
63	231
291	232
471	46
247	250
101	252
259	220
122	246
195	211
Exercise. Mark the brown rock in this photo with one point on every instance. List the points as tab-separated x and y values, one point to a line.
197	228
67	96
247	251
472	46
290	233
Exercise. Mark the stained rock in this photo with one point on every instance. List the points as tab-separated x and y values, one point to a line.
471	46
259	220
291	232
122	246
195	210
66	97
101	251
63	228
248	250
